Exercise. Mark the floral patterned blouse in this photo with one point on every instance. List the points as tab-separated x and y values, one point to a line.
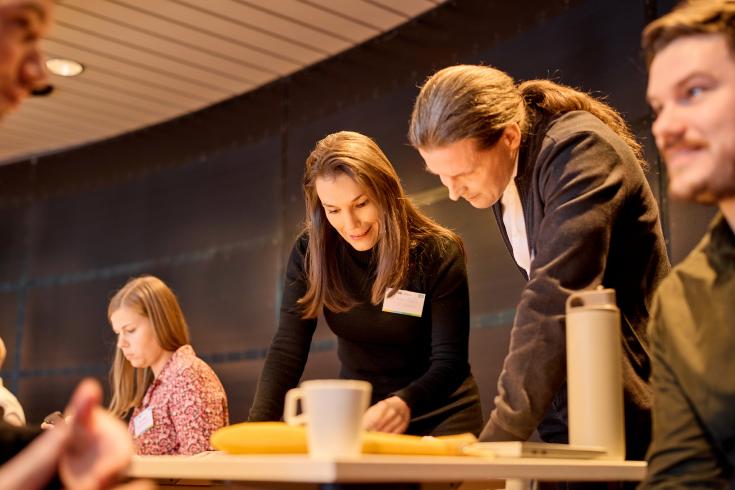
187	404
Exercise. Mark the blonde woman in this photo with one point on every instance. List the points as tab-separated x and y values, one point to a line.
176	399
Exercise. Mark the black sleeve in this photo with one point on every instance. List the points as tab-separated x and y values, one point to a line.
14	439
289	348
450	326
582	186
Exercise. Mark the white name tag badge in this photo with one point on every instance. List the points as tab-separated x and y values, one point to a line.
143	421
404	302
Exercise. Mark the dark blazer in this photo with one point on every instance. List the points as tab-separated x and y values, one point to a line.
591	220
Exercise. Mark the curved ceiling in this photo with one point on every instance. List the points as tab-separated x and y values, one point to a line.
147	61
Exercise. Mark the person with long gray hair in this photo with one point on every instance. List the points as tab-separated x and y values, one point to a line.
392	285
564	177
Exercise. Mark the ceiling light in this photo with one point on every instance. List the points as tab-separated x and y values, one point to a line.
63	67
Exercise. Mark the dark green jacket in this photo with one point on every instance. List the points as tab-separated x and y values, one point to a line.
692	333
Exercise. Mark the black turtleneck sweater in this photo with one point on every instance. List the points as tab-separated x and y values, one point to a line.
421	360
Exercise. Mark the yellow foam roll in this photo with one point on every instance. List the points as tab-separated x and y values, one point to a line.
277	437
381	443
260	438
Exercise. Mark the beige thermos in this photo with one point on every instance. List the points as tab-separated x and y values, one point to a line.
594	372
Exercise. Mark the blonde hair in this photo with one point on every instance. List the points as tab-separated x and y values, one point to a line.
149	297
402	224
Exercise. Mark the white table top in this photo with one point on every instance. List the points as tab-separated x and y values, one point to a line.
378	468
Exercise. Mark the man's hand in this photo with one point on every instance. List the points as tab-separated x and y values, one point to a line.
390	415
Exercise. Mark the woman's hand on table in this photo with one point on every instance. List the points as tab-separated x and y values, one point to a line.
54	419
390	415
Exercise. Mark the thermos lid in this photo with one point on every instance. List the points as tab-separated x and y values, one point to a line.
600	298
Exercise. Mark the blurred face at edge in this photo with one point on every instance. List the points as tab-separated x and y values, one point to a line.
23	23
691	90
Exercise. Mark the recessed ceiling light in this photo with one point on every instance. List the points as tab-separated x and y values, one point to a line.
64	67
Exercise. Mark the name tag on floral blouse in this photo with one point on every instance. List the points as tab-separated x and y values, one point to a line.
404	302
143	421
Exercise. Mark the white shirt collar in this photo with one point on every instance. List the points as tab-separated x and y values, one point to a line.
511	182
514	223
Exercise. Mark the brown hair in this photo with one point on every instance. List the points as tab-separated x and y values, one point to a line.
478	102
150	297
687	19
402	225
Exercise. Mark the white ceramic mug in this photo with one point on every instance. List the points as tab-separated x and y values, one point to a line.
332	411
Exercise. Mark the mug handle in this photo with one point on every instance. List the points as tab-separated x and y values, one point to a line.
289	411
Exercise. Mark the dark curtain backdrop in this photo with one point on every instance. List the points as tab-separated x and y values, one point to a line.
211	202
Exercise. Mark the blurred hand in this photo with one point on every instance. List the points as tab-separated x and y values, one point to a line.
390	415
98	446
89	452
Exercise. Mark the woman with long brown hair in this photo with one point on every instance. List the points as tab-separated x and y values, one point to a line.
392	285
176	399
